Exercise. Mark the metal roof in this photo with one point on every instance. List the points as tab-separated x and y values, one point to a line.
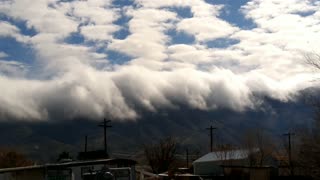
224	155
68	164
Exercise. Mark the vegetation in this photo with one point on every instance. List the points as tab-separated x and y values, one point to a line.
259	146
308	158
63	156
161	156
10	158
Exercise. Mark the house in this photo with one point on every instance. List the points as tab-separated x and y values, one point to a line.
211	163
187	176
250	172
179	174
120	169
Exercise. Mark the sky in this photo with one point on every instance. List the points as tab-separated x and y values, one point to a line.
66	59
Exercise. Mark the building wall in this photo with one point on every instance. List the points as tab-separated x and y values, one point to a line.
59	174
68	172
127	173
252	173
78	171
35	174
5	176
213	168
261	174
207	168
237	171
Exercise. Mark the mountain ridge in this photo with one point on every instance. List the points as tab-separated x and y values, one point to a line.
43	141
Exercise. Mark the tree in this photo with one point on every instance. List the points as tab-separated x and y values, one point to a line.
161	156
64	155
309	147
11	158
313	59
225	152
259	147
309	150
309	155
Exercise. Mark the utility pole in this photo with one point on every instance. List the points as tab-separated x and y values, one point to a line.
211	134
289	134
187	157
85	143
105	125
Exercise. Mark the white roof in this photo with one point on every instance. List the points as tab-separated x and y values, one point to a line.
224	155
65	164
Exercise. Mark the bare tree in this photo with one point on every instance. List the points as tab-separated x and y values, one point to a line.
313	59
64	156
309	149
161	156
258	146
309	155
11	158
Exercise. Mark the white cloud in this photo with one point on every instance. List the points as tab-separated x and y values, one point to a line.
77	94
3	54
39	15
205	25
161	74
98	32
199	8
189	54
206	28
12	68
87	92
9	30
164	3
285	24
94	12
276	45
147	38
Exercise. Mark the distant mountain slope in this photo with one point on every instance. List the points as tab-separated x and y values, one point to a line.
44	141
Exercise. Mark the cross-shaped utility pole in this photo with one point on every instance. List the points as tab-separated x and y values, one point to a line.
86	143
211	133
187	157
105	125
289	134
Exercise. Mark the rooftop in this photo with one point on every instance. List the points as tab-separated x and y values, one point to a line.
71	164
225	155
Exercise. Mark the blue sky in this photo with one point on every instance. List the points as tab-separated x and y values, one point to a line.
108	58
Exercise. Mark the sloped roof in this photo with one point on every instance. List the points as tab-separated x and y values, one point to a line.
224	156
71	164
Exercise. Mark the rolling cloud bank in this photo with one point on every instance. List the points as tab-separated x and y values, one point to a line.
103	58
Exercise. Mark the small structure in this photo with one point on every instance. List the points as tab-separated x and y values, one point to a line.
211	163
178	176
250	172
102	169
142	175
